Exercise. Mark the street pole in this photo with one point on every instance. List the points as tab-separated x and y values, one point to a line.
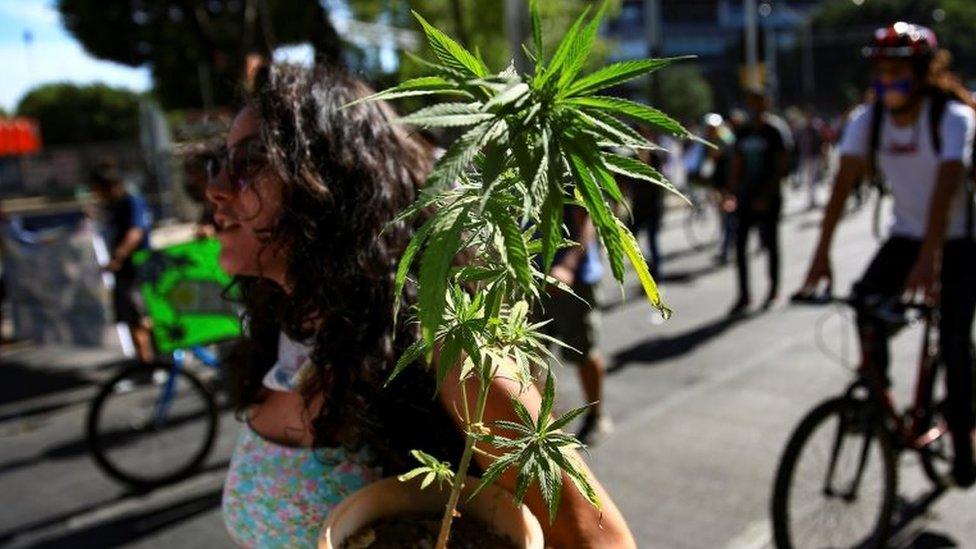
752	55
28	47
516	30
772	78
808	60
652	29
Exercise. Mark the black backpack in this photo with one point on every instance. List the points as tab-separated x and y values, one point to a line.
939	101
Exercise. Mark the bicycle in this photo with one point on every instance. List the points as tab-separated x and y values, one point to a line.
141	419
703	222
155	424
846	450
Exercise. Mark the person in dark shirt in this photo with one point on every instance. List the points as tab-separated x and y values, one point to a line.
128	227
759	163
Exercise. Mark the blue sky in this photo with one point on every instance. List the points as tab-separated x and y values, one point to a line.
53	55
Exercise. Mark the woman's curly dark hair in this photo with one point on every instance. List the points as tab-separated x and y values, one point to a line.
347	172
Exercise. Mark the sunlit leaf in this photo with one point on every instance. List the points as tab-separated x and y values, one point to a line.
413	353
635	169
603	218
443	244
447	115
637	111
449	52
425	85
632	249
618	73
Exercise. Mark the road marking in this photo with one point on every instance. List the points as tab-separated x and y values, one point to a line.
755	536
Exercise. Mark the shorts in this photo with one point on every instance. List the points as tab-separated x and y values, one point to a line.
127	301
573	322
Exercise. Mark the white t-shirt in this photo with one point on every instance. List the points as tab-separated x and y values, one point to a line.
288	371
910	165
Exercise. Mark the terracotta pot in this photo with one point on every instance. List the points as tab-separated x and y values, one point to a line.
390	497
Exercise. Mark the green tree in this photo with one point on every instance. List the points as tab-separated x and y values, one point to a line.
841	29
685	94
68	113
196	50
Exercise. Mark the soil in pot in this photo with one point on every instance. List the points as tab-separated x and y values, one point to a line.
419	531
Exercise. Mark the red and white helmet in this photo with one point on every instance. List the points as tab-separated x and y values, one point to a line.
902	41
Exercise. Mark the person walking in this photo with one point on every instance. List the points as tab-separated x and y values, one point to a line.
759	163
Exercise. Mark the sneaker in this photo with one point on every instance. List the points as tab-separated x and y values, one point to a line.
596	428
770	301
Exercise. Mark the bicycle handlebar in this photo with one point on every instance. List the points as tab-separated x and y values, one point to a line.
869	301
891	310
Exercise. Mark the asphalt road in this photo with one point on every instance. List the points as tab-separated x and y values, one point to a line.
702	407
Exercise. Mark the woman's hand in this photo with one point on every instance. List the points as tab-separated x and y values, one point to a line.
578	524
819	271
729	203
921	285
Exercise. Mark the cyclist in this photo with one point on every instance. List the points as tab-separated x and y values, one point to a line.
128	224
919	135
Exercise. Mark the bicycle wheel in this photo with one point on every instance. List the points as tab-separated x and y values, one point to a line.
836	482
142	438
937	455
702	224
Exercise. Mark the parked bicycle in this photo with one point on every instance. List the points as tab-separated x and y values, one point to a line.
154	424
838	477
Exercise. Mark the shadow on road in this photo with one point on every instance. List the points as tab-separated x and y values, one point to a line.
132	527
23	386
109	440
909	531
19	382
121	529
688	276
659	349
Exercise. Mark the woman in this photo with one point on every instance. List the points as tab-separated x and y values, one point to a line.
303	199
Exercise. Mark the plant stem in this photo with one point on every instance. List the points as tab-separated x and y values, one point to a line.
461	475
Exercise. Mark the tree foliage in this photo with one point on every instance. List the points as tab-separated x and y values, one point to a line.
685	93
69	113
195	49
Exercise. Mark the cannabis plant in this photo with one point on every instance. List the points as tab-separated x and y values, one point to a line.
533	144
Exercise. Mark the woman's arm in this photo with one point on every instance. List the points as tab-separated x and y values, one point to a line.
578	524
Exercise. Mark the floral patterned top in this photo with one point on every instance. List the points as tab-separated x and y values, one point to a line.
279	496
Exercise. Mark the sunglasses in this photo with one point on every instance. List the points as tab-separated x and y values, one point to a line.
237	163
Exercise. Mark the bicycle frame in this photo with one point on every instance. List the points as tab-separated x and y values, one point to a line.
907	426
179	361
